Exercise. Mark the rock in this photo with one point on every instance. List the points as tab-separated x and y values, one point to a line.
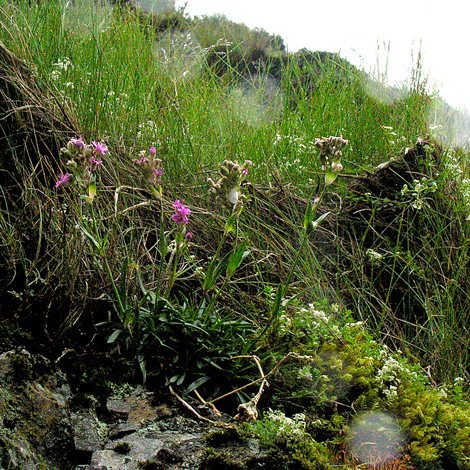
89	434
149	445
36	425
38	431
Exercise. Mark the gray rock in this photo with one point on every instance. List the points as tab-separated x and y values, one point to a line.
89	434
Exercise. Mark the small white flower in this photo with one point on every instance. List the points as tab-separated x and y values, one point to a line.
373	255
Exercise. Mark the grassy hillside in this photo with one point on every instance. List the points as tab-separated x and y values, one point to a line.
174	209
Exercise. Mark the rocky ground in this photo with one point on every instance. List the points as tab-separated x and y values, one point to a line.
41	427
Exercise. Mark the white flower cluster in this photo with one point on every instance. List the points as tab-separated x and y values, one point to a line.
61	71
287	427
455	171
388	376
311	321
452	164
321	321
64	64
284	323
419	191
147	130
305	373
373	255
396	141
296	146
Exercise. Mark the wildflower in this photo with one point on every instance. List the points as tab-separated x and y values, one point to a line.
336	166
158	173
188	236
142	161
77	142
232	175
64	180
99	148
94	162
152	151
181	213
373	255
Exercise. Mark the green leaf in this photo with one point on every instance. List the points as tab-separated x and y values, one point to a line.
330	176
213	273
308	218
277	305
91	191
90	237
179	238
157	191
181	379
236	259
230	224
197	383
173	379
113	337
162	245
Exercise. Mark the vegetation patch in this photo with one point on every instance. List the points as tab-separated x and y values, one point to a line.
249	232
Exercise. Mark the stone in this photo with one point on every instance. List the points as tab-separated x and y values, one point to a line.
89	433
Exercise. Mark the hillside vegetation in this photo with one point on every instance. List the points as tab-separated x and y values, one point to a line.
187	205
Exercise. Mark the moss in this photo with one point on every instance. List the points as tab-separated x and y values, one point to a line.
219	460
347	373
122	448
151	465
21	368
220	437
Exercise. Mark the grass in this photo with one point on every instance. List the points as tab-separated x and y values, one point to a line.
105	265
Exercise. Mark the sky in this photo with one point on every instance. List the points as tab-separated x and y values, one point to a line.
380	37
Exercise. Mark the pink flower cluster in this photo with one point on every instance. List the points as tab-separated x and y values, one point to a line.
82	160
64	180
181	213
99	148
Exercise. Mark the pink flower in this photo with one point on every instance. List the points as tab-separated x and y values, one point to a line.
188	236
64	180
78	142
245	172
95	162
152	151
181	213
158	173
142	161
99	148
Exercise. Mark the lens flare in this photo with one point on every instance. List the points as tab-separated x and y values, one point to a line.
87	17
448	125
179	55
376	439
154	7
258	101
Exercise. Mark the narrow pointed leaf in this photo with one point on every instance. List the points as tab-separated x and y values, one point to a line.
236	259
320	219
91	191
230	224
114	336
308	218
197	383
277	305
330	176
213	273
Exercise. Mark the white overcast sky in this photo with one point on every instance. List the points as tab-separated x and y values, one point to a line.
357	29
